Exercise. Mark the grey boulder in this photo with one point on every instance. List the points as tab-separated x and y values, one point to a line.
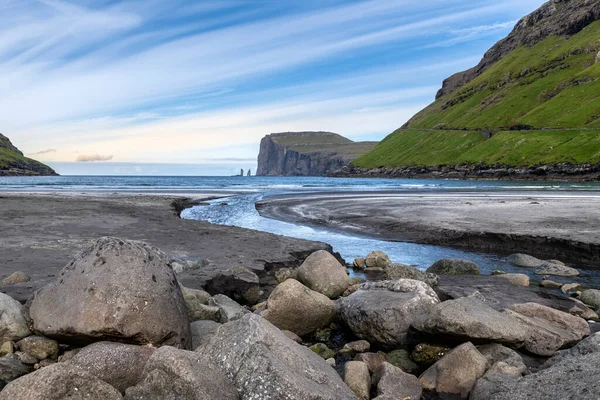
202	331
114	290
392	382
550	268
394	272
323	273
377	259
495	353
591	297
524	260
39	347
58	382
499	373
229	309
454	266
120	365
381	312
173	374
11	369
13	325
238	283
265	364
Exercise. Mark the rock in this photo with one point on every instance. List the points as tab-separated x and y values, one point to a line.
556	269
456	373
13	326
7	348
351	289
357	280
322	350
381	312
550	284
516	279
583	312
359	346
401	358
524	260
202	331
293	336
428	354
117	290
392	381
571	287
588	345
26	358
16	277
499	372
57	382
44	363
454	266
469	318
377	259
359	263
331	362
572	378
229	309
373	360
68	355
591	297
497	272
120	365
549	329
39	347
323	273
358	379
400	271
197	308
238	283
172	374
11	369
262	361
294	307
283	274
495	353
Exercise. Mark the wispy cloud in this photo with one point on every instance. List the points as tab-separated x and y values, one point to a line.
93	158
41	152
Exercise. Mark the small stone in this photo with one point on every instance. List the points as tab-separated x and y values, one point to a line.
359	346
392	381
401	358
591	297
377	259
583	312
68	355
550	284
16	277
516	279
26	358
331	362
351	289
428	354
39	347
229	309
571	287
373	360
358	379
322	350
283	274
556	270
359	263
7	348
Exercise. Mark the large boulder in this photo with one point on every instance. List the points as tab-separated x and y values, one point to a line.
549	329
294	307
588	345
550	268
454	266
58	382
394	272
381	312
358	379
239	283
495	353
572	378
323	273
516	279
11	369
591	297
392	382
377	259
469	318
173	374
13	325
456	373
120	365
114	290
499	373
265	364
524	260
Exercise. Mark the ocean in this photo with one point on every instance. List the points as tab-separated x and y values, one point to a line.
242	192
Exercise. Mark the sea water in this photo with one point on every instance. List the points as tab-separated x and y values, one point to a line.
237	207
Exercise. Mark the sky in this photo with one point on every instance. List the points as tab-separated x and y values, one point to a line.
190	87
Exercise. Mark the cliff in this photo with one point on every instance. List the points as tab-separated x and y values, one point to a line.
13	163
307	153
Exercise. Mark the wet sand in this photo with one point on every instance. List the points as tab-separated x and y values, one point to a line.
42	232
561	225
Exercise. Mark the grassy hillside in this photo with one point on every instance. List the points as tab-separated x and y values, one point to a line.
542	103
323	142
12	161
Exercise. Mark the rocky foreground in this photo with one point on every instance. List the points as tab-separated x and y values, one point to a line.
117	324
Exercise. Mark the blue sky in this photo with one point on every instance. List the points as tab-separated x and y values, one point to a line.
179	82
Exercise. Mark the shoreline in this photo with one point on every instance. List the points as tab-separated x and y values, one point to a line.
542	224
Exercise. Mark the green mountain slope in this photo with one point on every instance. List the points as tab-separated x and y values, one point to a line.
537	104
12	161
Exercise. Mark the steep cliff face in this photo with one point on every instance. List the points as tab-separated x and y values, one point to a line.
306	153
13	163
556	17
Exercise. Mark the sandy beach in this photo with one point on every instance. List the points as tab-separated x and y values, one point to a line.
42	232
560	225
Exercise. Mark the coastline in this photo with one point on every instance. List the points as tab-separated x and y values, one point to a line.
539	223
42	232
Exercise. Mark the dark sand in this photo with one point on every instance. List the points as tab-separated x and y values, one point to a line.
42	232
562	225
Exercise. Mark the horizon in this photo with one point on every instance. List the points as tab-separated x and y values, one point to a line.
93	86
